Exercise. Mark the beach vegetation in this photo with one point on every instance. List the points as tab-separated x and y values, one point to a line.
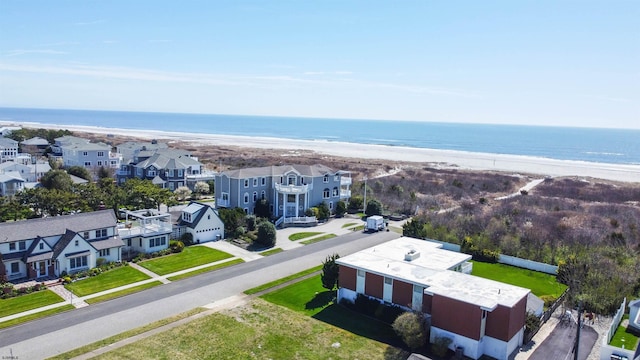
374	207
50	135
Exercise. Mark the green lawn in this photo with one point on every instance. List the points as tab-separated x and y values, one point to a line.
31	301
190	257
319	238
283	280
541	284
308	297
107	280
120	293
271	252
38	315
622	337
349	224
206	269
303	235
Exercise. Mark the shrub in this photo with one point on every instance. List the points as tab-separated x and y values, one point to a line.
100	262
187	239
251	222
440	345
410	327
266	234
176	246
341	208
240	231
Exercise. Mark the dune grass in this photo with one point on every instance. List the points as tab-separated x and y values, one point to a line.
191	256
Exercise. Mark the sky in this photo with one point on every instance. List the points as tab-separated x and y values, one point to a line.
564	63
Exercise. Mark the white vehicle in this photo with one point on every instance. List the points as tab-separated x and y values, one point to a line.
375	223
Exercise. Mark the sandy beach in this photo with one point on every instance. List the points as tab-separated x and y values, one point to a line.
435	157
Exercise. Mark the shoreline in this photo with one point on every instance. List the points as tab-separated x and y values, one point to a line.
438	158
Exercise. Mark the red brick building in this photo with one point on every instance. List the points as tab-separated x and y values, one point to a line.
481	316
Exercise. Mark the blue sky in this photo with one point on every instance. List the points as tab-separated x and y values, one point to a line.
571	63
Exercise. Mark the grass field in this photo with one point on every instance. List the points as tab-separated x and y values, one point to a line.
319	238
38	315
190	257
31	301
107	280
622	337
120	293
309	298
541	284
257	331
206	269
271	252
303	235
283	280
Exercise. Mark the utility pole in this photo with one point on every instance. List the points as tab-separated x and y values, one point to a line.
365	195
576	346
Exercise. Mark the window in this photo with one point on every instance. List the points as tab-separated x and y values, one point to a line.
246	198
336	177
15	267
85	235
87	163
255	196
263	181
335	192
113	163
255	182
84	153
80	261
179	172
186	216
105	252
100	153
325	193
330	205
22	245
246	183
101	233
12	246
291	180
99	162
41	246
151	172
170	172
159	241
326	178
262	195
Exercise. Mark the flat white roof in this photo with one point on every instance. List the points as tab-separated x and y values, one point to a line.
431	269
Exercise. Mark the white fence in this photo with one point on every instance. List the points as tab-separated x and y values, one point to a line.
528	264
508	260
607	351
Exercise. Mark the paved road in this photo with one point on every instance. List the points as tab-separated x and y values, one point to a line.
559	343
63	332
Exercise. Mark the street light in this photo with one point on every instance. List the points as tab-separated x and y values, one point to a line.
364	205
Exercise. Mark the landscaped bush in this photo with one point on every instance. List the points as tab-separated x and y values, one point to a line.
9	291
440	345
176	246
100	262
374	308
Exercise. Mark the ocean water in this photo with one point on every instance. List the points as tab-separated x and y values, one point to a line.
617	146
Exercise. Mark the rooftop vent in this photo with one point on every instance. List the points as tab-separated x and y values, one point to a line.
411	255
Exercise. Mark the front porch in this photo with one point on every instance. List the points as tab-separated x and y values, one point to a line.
301	221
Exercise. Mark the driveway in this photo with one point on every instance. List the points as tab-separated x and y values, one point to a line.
559	343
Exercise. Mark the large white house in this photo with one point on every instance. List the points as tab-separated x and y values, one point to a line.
76	151
46	247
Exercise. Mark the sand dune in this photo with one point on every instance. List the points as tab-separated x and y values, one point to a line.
442	158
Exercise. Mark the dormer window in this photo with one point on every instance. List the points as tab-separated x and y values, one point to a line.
186	216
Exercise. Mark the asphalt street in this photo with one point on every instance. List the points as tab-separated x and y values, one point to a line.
63	332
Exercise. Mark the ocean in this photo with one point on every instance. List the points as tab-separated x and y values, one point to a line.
616	146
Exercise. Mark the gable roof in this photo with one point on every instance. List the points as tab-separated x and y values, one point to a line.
8	143
304	170
58	225
167	160
11	176
37	141
197	208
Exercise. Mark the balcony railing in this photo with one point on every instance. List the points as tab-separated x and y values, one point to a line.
293	189
345	194
300	220
220	202
134	228
345	181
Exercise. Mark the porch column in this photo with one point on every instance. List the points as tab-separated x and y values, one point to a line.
297	202
275	208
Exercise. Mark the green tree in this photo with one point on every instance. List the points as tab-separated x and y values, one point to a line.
12	210
232	219
57	179
374	207
410	327
263	210
212	187
105	172
182	193
329	275
200	188
355	203
341	208
266	234
80	172
323	211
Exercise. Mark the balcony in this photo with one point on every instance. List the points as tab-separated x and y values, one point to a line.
293	189
144	223
345	194
345	181
120	172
